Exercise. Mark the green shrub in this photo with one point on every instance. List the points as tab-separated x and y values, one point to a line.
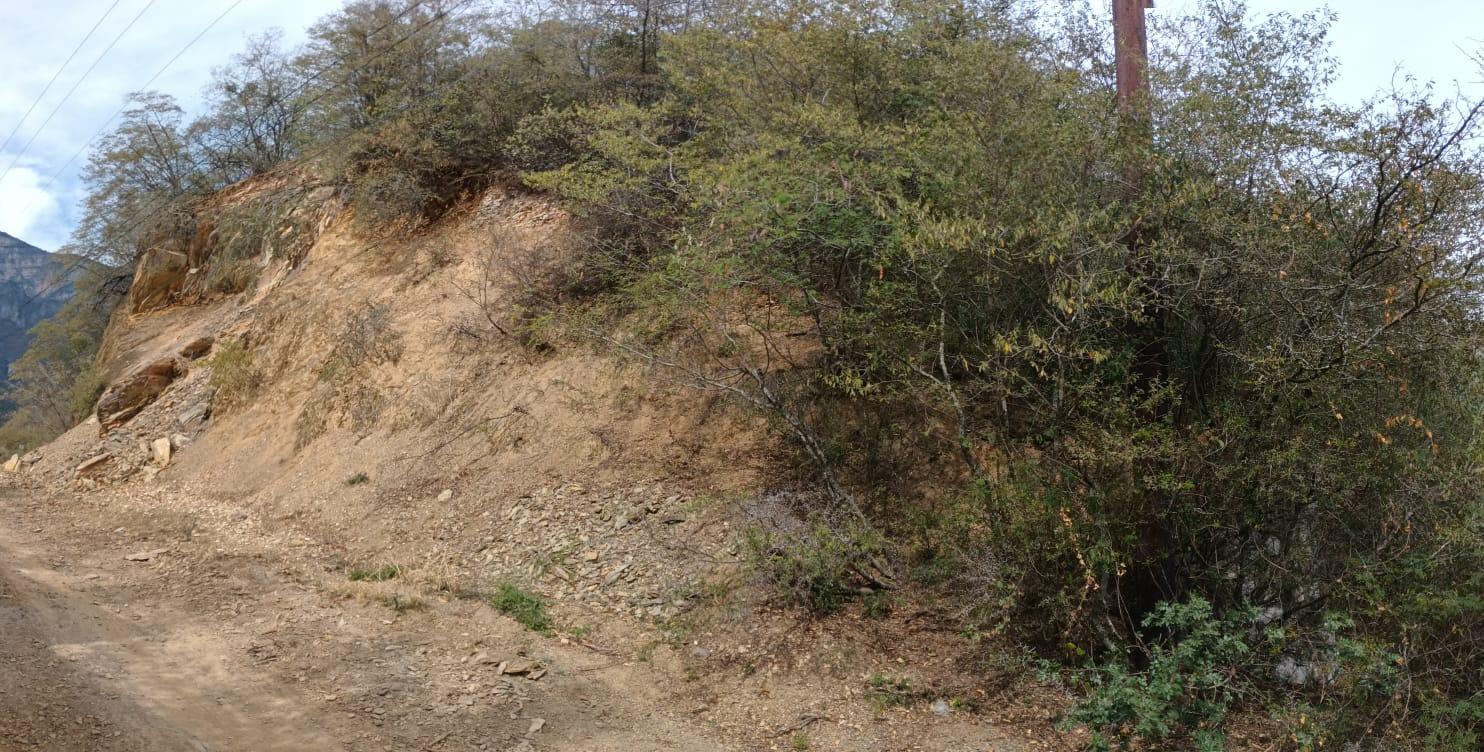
1193	677
525	607
277	224
366	339
887	692
1236	363
1248	376
234	373
821	564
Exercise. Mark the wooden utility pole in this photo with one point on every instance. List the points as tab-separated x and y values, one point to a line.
1131	55
1149	578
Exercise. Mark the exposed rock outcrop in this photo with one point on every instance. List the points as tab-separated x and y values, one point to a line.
127	396
198	348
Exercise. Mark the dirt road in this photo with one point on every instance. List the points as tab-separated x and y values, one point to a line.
154	618
87	669
218	644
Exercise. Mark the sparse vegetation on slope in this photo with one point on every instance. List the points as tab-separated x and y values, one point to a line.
1207	437
523	606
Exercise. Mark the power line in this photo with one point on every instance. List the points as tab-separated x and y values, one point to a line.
58	74
50	181
74	88
161	204
89	141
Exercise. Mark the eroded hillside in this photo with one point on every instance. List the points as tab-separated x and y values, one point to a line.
353	452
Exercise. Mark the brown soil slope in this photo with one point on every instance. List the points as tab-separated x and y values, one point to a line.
297	543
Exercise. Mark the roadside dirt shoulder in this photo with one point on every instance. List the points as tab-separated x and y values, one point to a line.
209	645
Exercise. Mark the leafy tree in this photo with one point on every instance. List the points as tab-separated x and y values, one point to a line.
254	121
374	58
139	178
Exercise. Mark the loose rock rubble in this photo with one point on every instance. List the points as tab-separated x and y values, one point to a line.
618	550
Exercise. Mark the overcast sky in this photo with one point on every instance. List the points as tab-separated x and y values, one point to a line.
1428	38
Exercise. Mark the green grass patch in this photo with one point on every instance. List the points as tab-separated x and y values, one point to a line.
380	574
523	606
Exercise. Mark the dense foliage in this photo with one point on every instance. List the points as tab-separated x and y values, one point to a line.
1193	400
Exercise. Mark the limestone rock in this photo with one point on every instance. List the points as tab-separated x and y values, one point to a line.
159	276
92	465
13	465
162	451
197	413
519	667
127	396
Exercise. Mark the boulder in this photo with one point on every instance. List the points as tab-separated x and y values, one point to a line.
13	465
198	348
127	396
519	667
159	276
162	450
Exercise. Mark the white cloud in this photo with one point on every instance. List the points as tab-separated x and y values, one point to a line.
26	209
35	39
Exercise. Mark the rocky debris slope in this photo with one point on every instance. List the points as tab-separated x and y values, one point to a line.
143	419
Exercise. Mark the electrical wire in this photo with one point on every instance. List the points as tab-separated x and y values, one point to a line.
55	76
74	88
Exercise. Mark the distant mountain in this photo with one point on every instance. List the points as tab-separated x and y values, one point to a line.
34	285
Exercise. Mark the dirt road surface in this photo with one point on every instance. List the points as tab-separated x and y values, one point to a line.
156	619
211	645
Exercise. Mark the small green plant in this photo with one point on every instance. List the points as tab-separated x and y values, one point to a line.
820	565
887	692
877	603
234	375
801	741
358	479
1190	682
523	606
646	653
380	574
